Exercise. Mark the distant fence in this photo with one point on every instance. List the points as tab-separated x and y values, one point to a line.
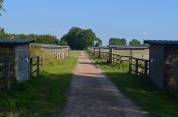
49	52
136	65
36	64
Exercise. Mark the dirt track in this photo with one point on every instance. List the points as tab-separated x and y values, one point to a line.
93	95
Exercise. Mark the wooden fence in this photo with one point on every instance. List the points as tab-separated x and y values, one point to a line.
7	71
136	65
139	66
49	52
36	64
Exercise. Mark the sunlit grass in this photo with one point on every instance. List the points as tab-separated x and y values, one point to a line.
43	96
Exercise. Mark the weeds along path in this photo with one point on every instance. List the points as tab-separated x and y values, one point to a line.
93	95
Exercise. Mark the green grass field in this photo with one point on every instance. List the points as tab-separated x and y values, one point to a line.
43	96
157	102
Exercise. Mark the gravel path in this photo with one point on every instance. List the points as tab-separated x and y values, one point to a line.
93	95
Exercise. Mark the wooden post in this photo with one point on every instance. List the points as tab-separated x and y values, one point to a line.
110	55
130	64
99	54
136	67
31	67
94	50
38	65
8	75
146	68
68	52
176	77
119	58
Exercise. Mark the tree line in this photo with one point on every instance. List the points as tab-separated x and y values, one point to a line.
76	38
45	39
123	42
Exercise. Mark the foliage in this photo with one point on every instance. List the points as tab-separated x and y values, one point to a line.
118	41
42	96
157	102
79	39
1	6
134	42
97	42
63	43
2	30
49	39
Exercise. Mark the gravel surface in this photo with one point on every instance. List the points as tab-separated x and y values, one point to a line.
92	94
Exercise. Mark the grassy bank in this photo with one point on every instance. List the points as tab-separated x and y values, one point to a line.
42	96
139	89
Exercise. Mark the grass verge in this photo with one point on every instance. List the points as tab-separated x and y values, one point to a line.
42	96
140	90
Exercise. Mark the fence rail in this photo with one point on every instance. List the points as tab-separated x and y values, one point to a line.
136	65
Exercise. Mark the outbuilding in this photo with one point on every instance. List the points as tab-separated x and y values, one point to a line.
14	59
163	66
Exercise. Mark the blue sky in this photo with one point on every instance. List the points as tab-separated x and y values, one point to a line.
142	19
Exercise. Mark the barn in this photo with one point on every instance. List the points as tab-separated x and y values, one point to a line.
14	59
164	63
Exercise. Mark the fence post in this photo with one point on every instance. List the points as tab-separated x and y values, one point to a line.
176	77
94	50
136	67
110	55
119	57
8	75
99	54
67	52
38	65
130	64
146	68
31	67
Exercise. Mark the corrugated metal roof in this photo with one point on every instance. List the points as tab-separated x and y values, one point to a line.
162	42
15	41
51	46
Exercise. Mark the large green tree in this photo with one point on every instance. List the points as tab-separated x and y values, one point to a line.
134	42
79	39
71	37
118	41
